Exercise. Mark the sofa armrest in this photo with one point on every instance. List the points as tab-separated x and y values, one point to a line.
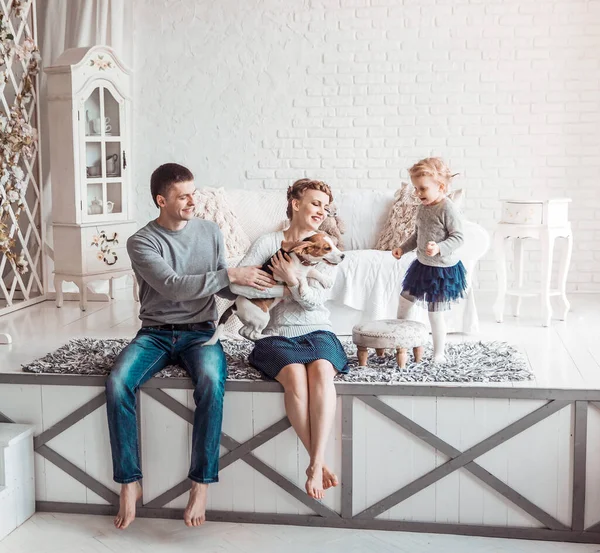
476	244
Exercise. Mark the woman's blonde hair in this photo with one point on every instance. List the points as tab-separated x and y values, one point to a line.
435	168
296	191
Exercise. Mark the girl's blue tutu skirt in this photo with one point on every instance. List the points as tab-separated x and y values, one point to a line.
435	287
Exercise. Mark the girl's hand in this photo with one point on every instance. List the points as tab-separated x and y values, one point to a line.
397	253
283	269
432	249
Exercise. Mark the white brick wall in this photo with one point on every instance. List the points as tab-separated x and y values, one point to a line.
257	94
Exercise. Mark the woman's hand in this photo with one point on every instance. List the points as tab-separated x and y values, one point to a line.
283	269
432	249
397	253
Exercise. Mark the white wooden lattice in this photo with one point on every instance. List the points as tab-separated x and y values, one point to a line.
19	290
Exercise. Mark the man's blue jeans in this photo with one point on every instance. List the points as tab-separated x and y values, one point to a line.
149	352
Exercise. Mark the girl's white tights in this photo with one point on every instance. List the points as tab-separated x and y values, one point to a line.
438	333
404	308
438	327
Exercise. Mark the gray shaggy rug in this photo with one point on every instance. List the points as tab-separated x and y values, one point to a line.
466	362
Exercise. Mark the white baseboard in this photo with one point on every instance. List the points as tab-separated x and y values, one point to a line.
74	296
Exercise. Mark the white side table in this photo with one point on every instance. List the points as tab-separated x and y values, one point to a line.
544	220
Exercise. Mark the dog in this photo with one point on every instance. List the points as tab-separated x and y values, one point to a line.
255	313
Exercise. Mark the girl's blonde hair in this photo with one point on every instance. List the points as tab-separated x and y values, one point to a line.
296	191
435	168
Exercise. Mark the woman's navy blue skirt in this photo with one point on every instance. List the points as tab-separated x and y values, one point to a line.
437	287
272	353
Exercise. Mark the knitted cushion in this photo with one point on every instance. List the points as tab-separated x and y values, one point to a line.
391	333
258	211
401	220
213	206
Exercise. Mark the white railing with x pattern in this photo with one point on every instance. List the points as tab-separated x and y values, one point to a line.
22	278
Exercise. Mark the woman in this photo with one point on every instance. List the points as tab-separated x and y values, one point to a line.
300	351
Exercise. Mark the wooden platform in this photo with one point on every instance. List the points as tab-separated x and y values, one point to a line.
508	460
17	493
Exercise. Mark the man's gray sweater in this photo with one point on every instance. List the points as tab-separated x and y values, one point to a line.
179	272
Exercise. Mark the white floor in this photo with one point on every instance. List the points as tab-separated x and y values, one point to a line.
565	355
45	533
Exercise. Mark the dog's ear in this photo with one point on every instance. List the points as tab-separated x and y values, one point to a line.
302	247
289	245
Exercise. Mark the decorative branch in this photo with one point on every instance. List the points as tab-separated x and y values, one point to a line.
18	138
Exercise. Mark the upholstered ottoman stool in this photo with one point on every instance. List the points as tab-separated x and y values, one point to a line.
395	334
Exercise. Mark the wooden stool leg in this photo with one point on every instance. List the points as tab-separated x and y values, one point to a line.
401	357
418	353
380	352
362	354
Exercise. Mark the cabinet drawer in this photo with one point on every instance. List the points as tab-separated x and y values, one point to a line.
123	231
552	213
522	213
96	261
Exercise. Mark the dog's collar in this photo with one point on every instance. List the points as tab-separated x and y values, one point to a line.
305	262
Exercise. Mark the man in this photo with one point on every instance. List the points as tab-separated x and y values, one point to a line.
179	262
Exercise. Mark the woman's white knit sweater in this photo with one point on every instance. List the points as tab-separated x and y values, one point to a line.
299	314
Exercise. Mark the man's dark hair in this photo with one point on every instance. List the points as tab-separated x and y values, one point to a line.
167	175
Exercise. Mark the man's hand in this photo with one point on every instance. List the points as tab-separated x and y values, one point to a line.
250	276
432	249
397	253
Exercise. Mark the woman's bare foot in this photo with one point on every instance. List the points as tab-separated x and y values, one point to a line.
330	480
195	512
314	482
130	493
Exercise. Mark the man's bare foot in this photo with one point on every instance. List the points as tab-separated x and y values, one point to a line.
130	494
330	480
195	512
314	482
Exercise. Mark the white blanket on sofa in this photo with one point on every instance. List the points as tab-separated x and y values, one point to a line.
371	281
368	287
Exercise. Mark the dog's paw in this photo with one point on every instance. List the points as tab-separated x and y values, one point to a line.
249	334
244	333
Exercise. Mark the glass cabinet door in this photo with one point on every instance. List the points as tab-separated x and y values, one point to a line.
104	194
112	114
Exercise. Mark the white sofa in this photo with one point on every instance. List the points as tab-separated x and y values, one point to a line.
369	282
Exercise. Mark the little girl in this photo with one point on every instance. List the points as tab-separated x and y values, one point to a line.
437	277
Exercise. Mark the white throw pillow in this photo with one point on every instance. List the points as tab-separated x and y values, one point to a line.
212	205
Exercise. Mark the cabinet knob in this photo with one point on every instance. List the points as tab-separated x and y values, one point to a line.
124	160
